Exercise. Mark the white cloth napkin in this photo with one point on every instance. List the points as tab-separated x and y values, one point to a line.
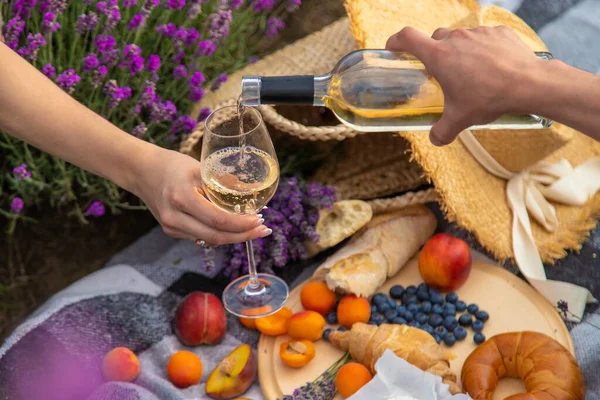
527	193
396	379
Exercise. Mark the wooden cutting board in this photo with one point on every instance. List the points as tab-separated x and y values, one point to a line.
513	305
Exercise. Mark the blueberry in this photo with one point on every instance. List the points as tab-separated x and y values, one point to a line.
437	338
435	320
412	289
436	298
373	309
449	340
414	323
479	338
450	323
413	308
427	328
461	306
433	291
422	295
390	314
426	307
441	331
421	318
477	326
372	323
396	291
376	317
383	307
326	333
342	329
472	308
465	320
401	309
451	297
448	310
331	318
437	309
408	299
460	333
423	286
409	316
379	298
399	321
482	315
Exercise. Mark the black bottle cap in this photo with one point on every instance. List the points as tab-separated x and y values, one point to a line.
299	90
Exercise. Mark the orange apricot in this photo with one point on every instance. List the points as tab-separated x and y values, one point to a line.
316	296
120	365
249	323
297	353
351	377
275	324
353	309
306	325
184	369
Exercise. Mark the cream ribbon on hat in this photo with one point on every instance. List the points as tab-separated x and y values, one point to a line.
527	194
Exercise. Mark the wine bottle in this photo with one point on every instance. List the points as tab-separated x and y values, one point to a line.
372	91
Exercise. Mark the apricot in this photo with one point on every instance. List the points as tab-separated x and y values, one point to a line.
353	309
351	377
275	324
316	296
120	365
297	353
234	374
200	319
249	323
306	325
184	369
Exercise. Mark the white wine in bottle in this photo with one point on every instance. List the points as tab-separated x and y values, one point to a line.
373	91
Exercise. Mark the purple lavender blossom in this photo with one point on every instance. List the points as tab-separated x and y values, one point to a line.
204	113
148	6
219	23
139	131
136	22
167	30
153	63
192	36
22	8
129	3
57	6
178	57
90	62
96	209
12	31
259	6
148	96
98	76
196	79
110	57
235	4
196	94
49	23
101	7
293	5
105	43
206	48
218	82
180	72
175	4
68	80
184	125
86	23
49	71
132	59
194	11
253	60
274	25
114	16
34	43
115	93
16	205
163	111
21	172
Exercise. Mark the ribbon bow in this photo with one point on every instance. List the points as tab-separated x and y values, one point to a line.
527	193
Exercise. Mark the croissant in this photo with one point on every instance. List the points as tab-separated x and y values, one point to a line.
367	343
548	370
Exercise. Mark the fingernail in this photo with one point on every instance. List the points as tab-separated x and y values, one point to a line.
265	207
266	232
434	140
259	222
259	215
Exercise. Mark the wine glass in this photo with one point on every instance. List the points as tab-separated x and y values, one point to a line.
240	174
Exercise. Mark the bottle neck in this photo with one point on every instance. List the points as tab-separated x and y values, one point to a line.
274	90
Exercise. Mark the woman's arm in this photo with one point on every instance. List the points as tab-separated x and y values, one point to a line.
35	110
488	71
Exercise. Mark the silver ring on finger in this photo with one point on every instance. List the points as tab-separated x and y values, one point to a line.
201	243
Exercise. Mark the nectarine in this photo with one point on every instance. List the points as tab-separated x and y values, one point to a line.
234	374
200	319
121	365
445	262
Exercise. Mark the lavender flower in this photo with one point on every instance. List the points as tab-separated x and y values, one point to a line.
105	43
86	23
115	93
206	48
90	62
180	72
235	4
274	25
21	172
163	111
44	5
129	3
102	7
194	11
148	6
197	79
293	5
136	22
22	8
34	43
148	96
219	23
96	209
218	82
183	125
259	6
175	4
196	94
57	6
110	57
98	76
49	23
16	205
68	80
153	63
192	36
167	30
114	16
12	31
49	71
204	113
139	131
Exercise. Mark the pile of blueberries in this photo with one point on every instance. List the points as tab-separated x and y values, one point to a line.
445	318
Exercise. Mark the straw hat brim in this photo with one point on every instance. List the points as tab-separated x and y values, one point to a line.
470	195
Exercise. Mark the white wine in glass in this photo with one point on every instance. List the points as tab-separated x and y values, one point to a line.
240	174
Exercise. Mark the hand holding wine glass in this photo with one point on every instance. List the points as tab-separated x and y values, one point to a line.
240	174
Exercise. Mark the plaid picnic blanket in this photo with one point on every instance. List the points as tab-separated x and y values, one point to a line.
56	354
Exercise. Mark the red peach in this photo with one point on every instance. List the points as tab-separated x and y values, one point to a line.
445	262
200	319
